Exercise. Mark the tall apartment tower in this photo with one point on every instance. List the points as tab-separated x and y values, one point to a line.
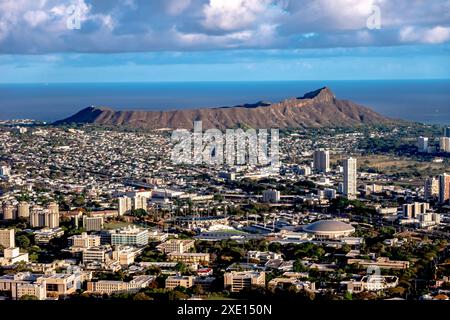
23	210
51	219
321	160
350	178
7	239
422	144
447	132
444	144
36	218
53	207
140	202
444	188
124	205
431	189
8	211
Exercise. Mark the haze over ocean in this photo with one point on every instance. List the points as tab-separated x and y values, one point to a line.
426	101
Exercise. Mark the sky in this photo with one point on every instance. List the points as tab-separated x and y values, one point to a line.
49	41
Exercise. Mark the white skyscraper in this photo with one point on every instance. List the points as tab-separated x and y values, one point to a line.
140	202
271	195
431	188
322	160
422	144
350	177
124	205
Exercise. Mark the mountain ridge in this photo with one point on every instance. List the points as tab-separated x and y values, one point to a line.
314	109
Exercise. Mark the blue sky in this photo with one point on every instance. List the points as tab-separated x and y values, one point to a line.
223	40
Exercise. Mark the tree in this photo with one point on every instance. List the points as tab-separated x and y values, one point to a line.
141	296
181	267
138	213
348	296
79	201
299	266
28	297
177	295
23	241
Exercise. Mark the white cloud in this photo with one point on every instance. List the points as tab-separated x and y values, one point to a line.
232	15
34	18
40	26
435	35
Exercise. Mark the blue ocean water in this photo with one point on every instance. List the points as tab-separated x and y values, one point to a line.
425	101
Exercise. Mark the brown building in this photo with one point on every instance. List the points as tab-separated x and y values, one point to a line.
236	281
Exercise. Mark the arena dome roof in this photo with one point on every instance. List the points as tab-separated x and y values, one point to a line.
328	226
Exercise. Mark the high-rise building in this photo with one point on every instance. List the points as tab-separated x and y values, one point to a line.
36	218
140	202
431	188
444	188
444	144
271	195
44	218
7	238
51	219
321	160
422	144
53	207
23	210
8	211
412	210
350	178
447	132
124	205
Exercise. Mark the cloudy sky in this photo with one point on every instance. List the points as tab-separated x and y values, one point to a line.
213	40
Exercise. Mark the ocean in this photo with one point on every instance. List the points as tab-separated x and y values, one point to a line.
426	101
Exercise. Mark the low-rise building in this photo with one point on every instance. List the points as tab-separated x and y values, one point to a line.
111	287
43	236
263	256
284	283
236	281
125	255
131	235
381	262
12	256
187	257
36	289
100	254
84	241
92	223
179	281
176	245
371	283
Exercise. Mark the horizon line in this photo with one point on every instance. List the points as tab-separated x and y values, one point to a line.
219	81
